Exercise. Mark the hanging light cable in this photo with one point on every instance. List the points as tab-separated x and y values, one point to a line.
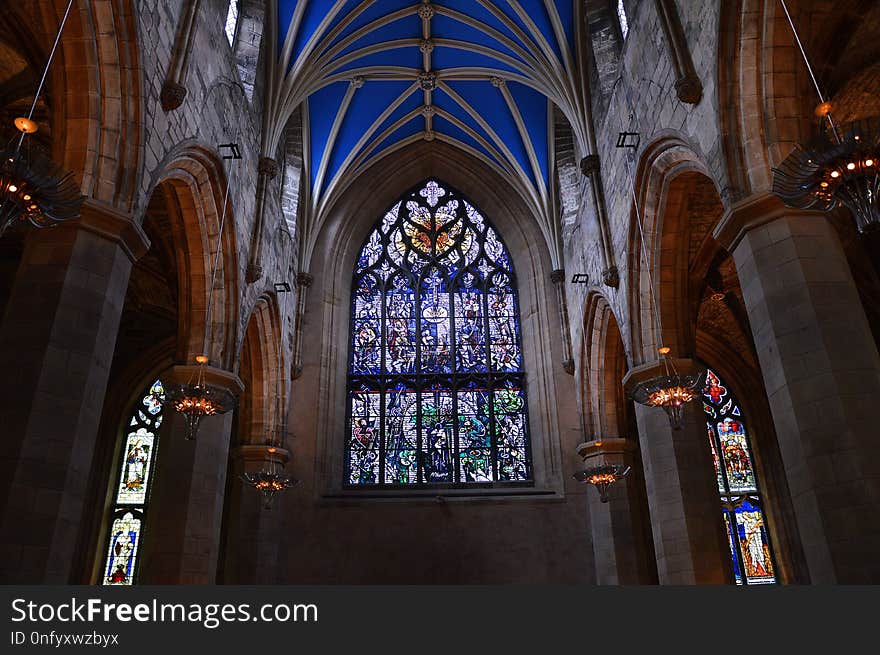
196	398
33	188
838	167
671	390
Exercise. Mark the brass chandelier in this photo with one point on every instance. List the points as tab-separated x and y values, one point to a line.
602	477
838	167
33	188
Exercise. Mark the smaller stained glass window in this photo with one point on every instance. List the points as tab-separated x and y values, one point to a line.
741	502
131	493
232	21
621	17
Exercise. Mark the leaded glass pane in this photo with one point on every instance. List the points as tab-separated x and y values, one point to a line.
131	493
735	475
125	541
751	531
436	390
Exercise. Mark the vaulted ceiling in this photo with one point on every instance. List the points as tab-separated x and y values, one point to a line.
378	75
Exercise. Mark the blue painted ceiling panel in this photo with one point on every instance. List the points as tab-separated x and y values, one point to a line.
447	57
533	107
405	56
366	106
413	101
477	11
285	15
443	27
377	10
450	129
323	106
447	104
408	27
377	95
415	126
488	100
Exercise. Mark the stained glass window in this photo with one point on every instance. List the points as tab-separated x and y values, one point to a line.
231	21
742	507
436	387
132	488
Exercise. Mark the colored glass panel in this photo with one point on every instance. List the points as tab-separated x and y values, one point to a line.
435	379
735	474
131	494
751	532
125	541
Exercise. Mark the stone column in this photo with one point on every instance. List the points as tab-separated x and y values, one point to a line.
822	374
253	533
56	345
183	523
174	89
619	547
267	169
689	541
688	87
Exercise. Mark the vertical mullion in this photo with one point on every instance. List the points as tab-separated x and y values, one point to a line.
383	370
491	378
454	379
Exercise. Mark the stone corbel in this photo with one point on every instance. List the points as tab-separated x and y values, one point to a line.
110	223
254	457
174	89
267	169
557	277
303	282
688	87
607	452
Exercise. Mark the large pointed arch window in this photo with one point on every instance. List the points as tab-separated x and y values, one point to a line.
436	391
745	521
131	492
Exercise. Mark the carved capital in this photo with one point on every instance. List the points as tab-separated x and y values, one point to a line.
604	452
112	224
657	368
568	366
268	167
590	165
611	277
253	457
749	213
216	377
172	95
689	89
253	273
304	280
557	276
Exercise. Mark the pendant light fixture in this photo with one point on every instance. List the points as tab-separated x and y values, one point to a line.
840	166
33	188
